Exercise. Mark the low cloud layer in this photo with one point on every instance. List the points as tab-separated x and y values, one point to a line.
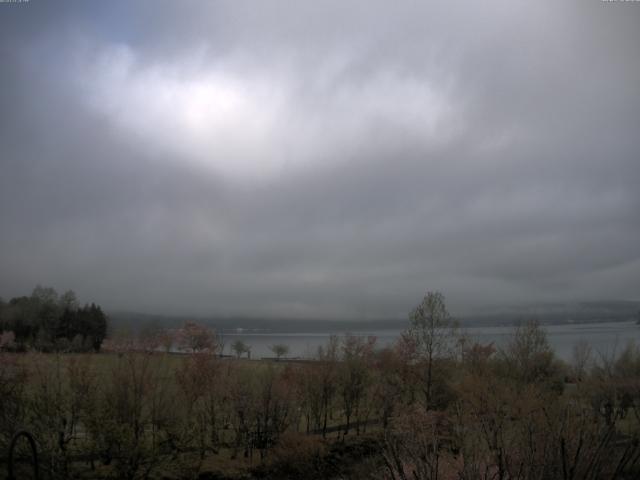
320	160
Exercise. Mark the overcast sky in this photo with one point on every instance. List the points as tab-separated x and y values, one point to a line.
320	158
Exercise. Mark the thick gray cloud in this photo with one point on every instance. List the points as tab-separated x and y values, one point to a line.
310	159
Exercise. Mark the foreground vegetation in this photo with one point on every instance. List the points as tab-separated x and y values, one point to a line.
433	406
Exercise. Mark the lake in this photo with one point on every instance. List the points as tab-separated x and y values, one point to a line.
604	338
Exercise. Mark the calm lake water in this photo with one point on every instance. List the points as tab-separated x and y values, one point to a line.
605	338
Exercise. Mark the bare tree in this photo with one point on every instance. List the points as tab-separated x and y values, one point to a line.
355	376
432	332
198	379
528	357
580	359
413	448
133	410
240	348
196	338
13	380
328	358
280	350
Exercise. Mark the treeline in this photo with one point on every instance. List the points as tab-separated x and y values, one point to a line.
435	405
47	322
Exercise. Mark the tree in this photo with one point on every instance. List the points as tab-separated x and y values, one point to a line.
68	300
355	376
280	350
61	392
476	356
273	405
196	338
44	295
48	322
166	339
432	332
389	387
240	347
198	379
13	382
529	357
7	340
132	416
317	384
94	324
220	343
580	359
414	447
328	359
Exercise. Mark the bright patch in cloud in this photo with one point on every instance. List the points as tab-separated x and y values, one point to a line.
254	126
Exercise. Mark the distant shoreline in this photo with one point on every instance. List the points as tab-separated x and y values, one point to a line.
592	312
